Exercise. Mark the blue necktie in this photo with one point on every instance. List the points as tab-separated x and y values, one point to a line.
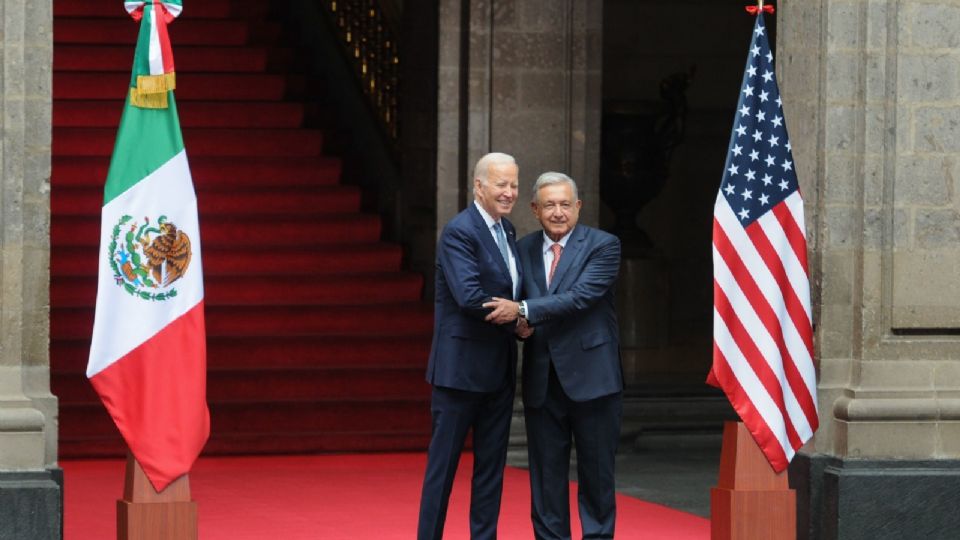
501	242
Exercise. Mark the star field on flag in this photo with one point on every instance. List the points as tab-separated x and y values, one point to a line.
760	148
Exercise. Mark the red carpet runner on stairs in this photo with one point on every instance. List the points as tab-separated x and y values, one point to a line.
317	339
345	497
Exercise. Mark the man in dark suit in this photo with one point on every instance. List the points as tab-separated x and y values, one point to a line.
473	358
572	379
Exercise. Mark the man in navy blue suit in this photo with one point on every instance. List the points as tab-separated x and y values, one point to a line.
572	379
473	359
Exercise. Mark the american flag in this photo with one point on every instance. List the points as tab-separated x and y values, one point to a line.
762	332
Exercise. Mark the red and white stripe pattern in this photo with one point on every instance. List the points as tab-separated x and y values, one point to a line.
763	339
763	332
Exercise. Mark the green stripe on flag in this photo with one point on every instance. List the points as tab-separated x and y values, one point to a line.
141	56
147	139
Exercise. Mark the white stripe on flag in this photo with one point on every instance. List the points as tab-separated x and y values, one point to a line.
794	203
791	265
748	253
155	55
793	337
751	385
766	344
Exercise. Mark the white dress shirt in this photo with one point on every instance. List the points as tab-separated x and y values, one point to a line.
548	253
548	259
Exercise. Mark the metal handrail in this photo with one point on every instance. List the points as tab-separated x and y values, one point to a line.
370	43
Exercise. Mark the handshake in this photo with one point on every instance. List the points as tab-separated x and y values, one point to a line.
505	311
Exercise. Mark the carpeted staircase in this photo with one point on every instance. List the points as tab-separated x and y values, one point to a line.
317	339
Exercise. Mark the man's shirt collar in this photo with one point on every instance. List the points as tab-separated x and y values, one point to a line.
547	241
486	217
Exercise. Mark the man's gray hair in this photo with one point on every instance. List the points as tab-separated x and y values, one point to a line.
482	169
550	178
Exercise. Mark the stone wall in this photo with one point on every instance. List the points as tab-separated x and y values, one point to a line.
875	112
30	497
871	92
519	77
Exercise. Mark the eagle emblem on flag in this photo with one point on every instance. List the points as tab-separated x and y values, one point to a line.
149	258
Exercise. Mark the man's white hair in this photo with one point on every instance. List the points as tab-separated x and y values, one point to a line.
550	178
482	169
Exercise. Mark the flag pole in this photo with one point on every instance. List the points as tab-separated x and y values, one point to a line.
146	514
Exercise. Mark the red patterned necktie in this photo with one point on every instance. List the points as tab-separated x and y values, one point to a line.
556	248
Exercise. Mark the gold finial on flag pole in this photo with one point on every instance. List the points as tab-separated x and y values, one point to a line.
760	5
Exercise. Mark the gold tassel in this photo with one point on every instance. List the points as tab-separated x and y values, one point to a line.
155	84
148	101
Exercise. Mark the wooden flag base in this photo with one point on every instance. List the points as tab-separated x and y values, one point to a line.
750	502
144	514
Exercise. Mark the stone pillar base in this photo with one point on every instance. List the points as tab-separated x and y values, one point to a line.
875	499
31	504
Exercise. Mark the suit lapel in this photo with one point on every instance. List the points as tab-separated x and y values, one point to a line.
512	244
486	238
536	262
568	256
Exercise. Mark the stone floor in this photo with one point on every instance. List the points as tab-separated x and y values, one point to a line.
669	451
672	470
675	470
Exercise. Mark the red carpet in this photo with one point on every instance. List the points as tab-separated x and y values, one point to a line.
356	497
317	337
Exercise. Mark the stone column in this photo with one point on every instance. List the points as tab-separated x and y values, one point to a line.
30	482
521	77
872	97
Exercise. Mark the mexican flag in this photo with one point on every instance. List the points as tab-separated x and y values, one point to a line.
148	352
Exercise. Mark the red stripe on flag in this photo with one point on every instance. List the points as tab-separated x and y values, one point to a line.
797	313
761	432
163	18
765	312
156	395
770	256
769	379
792	230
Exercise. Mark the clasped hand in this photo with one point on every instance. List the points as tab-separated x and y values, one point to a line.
524	330
505	311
